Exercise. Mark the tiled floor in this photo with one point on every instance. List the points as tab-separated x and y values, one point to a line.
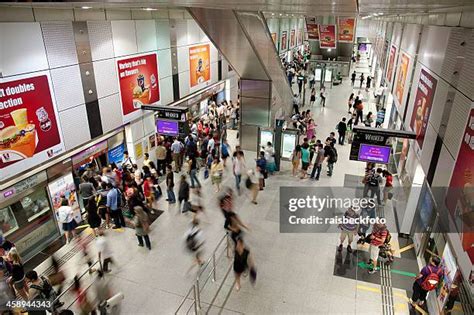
295	271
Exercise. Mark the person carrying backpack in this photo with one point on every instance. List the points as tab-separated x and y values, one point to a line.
428	280
373	184
194	241
331	154
40	288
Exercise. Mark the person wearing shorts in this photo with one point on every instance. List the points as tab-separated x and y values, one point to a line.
377	239
348	230
304	160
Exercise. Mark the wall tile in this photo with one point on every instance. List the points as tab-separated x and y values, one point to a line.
110	112
106	80
100	38
163	34
166	90
74	126
124	38
67	85
146	35
164	63
60	45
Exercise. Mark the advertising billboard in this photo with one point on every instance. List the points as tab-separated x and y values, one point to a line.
138	82
391	63
402	78
199	64
284	40
423	102
312	29
374	153
167	128
29	130
345	27
274	37
292	38
327	36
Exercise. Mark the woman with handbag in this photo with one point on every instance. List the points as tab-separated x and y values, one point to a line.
142	227
217	170
242	262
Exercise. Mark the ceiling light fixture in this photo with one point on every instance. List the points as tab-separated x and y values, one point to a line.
329	49
281	14
86	8
149	9
381	13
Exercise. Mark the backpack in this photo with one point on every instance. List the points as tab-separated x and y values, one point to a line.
332	155
191	242
431	281
46	292
373	180
119	198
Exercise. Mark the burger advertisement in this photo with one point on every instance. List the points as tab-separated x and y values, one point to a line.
138	80
29	132
346	28
199	64
327	36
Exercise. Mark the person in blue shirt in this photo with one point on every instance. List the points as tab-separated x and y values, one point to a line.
114	206
262	169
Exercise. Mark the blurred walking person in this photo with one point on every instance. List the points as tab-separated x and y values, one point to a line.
243	261
142	227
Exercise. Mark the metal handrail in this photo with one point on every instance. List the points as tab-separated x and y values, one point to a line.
72	284
195	287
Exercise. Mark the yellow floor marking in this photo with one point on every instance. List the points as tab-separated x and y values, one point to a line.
366	288
82	226
404	249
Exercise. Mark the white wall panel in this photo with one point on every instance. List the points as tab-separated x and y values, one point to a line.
16	15
49	14
25	55
118	14
136	130
183	84
203	37
451	58
163	34
166	90
106	80
60	44
160	14
194	32
439	103
214	53
89	15
411	35
142	15
146	35
74	126
100	38
457	123
428	148
214	72
183	59
397	34
181	28
110	112
164	63
67	85
444	169
434	42
149	124
124	38
466	82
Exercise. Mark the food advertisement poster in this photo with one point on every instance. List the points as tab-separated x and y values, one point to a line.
29	130
199	64
391	63
345	27
402	78
423	101
274	37
300	37
138	150
327	36
61	188
284	40
138	81
460	197
312	29
292	38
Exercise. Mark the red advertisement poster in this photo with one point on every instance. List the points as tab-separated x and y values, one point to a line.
345	27
312	29
138	80
284	40
292	38
402	78
300	37
199	64
423	101
391	63
29	131
327	36
460	197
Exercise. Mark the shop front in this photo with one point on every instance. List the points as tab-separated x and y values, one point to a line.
26	215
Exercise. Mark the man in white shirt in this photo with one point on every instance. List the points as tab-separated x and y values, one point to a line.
176	150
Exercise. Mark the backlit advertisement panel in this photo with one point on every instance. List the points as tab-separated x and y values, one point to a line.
327	36
345	27
312	29
199	64
402	78
391	63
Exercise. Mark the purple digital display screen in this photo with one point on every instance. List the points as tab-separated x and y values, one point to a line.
168	128
374	153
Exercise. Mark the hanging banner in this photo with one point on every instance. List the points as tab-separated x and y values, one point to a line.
115	155
459	199
292	38
199	64
423	101
391	63
327	36
138	81
312	29
345	27
402	77
29	131
284	40
300	37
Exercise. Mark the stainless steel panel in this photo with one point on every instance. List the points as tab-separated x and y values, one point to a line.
255	111
249	137
255	88
88	82
81	37
174	60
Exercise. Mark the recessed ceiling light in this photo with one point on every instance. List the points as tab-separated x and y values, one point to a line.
149	9
86	8
281	14
273	13
329	49
381	13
